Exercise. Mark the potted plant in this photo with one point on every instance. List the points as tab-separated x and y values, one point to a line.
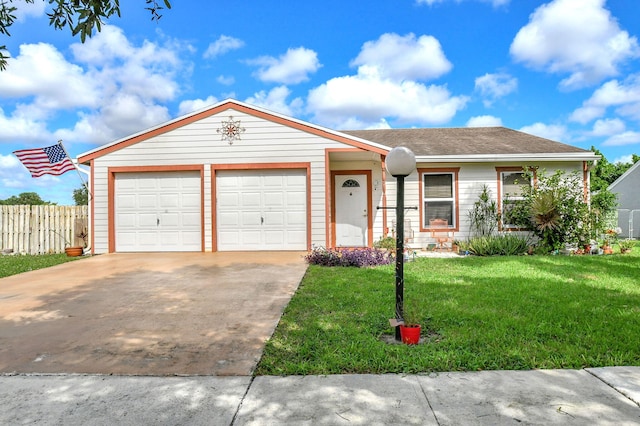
626	245
410	330
73	251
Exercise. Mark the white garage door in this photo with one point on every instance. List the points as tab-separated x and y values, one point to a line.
158	211
261	210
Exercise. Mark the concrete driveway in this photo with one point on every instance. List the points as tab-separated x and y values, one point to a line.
146	313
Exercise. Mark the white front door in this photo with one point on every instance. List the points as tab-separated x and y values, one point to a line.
352	212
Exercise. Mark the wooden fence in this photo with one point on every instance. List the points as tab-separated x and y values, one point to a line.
41	229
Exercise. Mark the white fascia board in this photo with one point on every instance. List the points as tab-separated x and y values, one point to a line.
495	158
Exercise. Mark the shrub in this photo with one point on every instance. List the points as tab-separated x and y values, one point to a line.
497	245
483	217
555	209
388	243
358	257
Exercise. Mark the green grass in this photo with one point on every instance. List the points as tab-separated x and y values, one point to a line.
480	313
12	265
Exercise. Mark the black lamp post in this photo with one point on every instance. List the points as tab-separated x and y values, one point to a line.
400	163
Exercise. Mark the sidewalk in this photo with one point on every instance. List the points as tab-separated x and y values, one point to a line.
599	396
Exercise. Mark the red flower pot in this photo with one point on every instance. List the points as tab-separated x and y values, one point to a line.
410	334
73	251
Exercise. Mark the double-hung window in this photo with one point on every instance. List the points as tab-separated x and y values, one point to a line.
513	184
439	196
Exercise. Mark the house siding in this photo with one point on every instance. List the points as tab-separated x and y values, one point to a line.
626	189
198	143
471	178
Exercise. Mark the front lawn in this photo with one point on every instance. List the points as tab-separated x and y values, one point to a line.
490	313
16	264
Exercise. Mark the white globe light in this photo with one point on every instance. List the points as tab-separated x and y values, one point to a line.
401	161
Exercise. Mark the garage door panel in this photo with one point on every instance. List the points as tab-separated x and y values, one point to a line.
296	218
147	201
158	211
249	239
191	220
226	220
250	200
250	218
274	219
264	201
169	200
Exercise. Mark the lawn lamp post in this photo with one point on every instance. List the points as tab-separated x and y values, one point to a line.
400	163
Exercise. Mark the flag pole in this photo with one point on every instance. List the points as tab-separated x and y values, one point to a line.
85	184
89	196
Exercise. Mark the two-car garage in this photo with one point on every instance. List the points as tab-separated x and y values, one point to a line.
258	209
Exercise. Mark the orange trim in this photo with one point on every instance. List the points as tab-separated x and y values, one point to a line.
455	171
217	110
257	166
112	171
328	197
334	173
586	181
385	227
93	209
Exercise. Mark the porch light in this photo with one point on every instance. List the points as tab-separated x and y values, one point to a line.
400	163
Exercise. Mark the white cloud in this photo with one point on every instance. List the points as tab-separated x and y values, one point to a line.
222	45
190	106
484	121
22	127
368	97
553	132
26	9
623	139
578	37
608	127
276	100
495	3
291	68
625	159
123	115
404	57
227	81
494	86
112	86
40	71
624	95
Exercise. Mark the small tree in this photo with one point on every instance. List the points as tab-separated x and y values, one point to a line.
483	217
81	196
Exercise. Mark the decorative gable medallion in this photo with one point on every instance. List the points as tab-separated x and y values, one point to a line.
230	130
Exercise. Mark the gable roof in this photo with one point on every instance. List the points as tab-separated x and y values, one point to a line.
624	176
227	104
489	143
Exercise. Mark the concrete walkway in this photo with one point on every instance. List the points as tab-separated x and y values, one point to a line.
598	396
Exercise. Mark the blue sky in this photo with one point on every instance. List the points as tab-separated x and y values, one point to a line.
568	70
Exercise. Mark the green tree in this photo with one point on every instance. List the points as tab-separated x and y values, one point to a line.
79	16
604	173
81	196
554	209
26	198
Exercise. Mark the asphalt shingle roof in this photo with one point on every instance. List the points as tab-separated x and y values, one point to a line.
465	141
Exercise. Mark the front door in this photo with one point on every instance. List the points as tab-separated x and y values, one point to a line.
351	210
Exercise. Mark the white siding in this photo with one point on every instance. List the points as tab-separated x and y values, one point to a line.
198	143
471	178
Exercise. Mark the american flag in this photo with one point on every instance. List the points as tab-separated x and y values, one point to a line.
51	160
